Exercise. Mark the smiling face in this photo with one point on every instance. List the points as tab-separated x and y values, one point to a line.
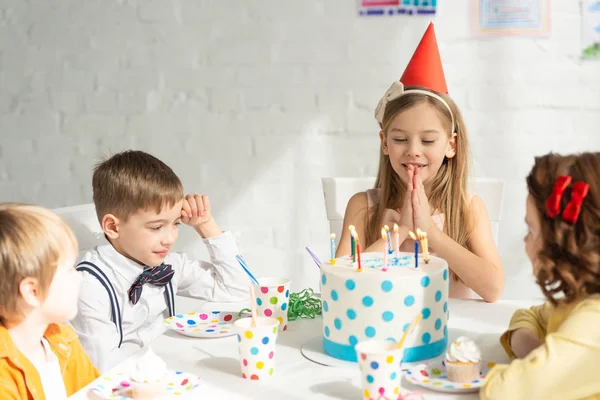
416	136
147	236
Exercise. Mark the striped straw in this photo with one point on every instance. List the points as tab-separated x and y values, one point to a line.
245	267
314	257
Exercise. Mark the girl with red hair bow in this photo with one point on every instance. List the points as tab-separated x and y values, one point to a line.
557	344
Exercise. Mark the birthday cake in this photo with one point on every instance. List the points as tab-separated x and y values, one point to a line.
378	303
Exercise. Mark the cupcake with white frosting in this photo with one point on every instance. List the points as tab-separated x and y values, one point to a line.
463	360
149	377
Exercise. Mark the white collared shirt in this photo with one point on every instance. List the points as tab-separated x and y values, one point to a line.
50	375
221	280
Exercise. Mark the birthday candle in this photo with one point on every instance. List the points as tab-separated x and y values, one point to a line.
332	238
355	249
358	255
416	239
386	247
389	238
396	240
425	246
351	229
416	254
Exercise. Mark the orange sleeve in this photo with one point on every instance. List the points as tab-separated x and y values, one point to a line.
80	371
10	391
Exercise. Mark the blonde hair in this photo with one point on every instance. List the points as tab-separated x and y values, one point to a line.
33	242
131	181
449	185
569	258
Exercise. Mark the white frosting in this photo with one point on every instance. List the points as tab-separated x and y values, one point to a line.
378	304
463	350
149	368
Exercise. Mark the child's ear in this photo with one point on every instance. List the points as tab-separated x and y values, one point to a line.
110	226
29	291
451	148
384	147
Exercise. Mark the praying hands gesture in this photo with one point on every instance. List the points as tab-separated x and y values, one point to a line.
195	212
415	212
420	204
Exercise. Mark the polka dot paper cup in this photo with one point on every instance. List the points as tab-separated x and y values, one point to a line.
380	366
272	298
257	346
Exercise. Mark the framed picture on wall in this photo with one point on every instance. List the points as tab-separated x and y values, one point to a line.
510	17
590	23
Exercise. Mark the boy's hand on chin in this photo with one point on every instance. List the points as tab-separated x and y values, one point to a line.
196	213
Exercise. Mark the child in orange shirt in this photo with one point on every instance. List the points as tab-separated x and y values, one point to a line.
39	357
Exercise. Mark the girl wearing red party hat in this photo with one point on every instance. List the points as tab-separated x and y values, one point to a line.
422	180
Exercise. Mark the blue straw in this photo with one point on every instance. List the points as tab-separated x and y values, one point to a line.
245	267
314	257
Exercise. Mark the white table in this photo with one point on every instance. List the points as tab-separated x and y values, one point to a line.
216	360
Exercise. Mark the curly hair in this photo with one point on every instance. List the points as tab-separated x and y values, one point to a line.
569	260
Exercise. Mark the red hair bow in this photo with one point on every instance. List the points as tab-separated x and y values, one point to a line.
578	193
553	201
571	212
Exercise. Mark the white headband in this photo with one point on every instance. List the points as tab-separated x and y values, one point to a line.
397	90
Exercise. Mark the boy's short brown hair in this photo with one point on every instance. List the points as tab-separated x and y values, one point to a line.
33	241
131	181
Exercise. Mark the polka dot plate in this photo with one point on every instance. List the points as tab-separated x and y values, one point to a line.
117	385
433	376
209	324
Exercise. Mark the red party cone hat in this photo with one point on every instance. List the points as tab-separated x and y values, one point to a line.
425	66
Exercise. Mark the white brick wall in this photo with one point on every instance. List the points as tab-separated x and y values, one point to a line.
253	102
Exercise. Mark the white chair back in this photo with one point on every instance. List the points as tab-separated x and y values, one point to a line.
491	192
337	192
84	223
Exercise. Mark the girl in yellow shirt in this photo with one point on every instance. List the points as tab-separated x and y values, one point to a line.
557	344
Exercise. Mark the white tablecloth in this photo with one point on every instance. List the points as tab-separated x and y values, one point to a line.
216	360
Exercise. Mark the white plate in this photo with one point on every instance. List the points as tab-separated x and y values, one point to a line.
313	350
433	376
204	324
117	385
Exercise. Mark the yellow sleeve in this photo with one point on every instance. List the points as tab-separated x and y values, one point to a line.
535	319
563	368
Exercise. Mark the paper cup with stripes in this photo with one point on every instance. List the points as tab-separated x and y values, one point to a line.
272	299
257	346
380	363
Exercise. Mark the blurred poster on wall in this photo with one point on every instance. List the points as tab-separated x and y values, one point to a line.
396	7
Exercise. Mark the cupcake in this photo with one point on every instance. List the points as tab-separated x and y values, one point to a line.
463	360
149	377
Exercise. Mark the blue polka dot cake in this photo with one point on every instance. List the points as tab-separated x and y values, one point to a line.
377	303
